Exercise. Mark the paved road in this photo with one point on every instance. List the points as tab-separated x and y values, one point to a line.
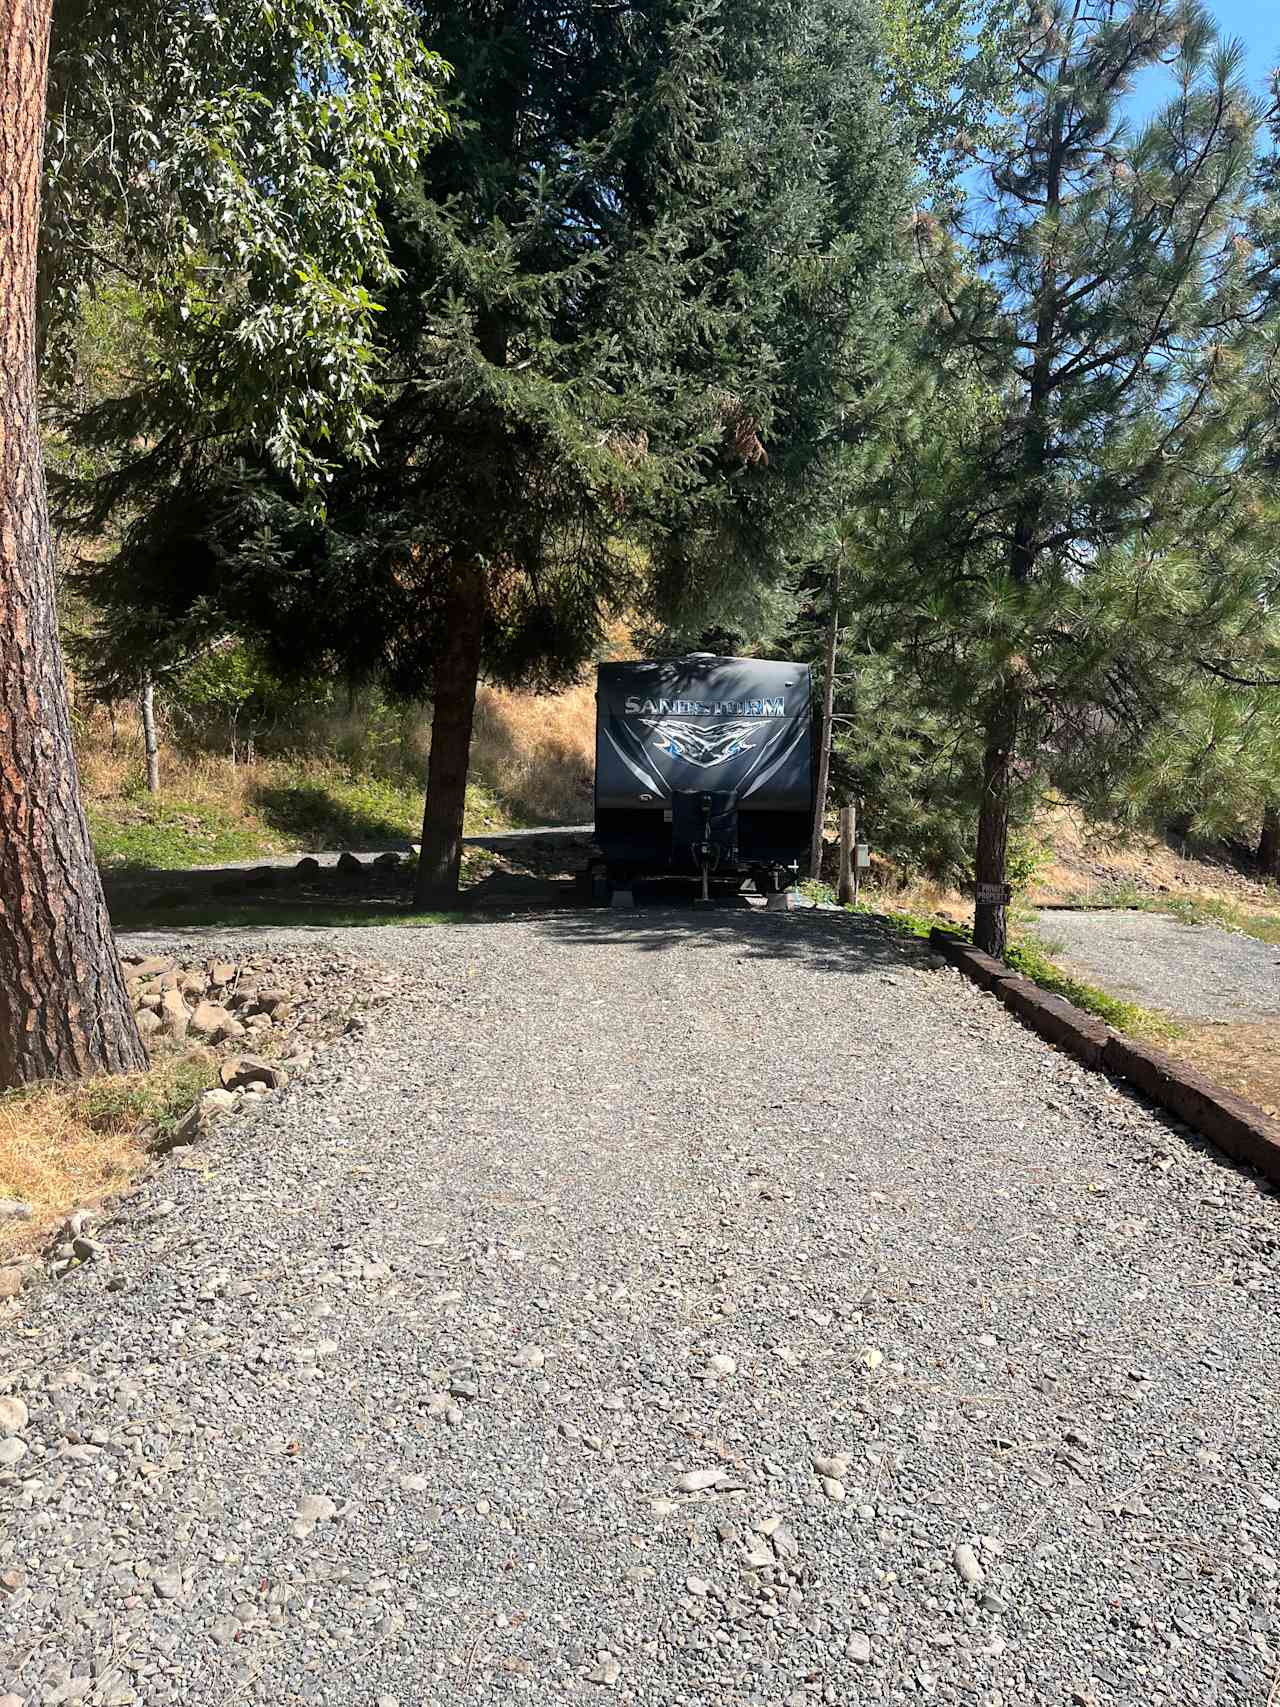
1195	971
496	1359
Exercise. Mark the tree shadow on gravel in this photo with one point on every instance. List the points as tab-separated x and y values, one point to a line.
855	943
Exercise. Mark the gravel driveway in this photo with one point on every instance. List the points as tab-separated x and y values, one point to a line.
1194	971
668	1309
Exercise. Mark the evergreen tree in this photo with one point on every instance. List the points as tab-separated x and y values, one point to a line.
1100	289
633	285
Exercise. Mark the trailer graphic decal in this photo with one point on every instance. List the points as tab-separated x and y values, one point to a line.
703	744
760	777
649	782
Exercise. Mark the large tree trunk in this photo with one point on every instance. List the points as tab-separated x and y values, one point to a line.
824	738
1269	843
990	912
63	1008
456	676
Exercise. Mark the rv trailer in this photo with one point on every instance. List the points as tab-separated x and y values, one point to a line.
704	770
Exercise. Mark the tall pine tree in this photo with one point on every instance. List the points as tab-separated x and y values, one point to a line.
1099	282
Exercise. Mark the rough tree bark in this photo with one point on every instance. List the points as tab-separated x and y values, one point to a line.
63	1008
457	674
149	738
990	928
1269	843
828	720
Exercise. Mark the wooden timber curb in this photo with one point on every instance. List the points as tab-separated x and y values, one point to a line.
1235	1126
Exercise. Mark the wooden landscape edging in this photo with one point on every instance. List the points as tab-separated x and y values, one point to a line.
1237	1127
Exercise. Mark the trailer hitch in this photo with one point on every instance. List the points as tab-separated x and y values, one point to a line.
706	851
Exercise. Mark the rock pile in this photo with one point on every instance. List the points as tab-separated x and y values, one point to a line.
259	1020
285	1008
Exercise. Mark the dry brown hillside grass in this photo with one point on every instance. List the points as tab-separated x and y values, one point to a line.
538	751
1087	864
337	780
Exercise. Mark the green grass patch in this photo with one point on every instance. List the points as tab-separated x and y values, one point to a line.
340	811
169	835
158	1098
1188	910
274	813
1032	959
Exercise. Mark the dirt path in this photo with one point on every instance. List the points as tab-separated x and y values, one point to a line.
664	1308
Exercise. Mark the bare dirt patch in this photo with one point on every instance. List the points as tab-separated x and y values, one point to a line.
1242	1058
1087	864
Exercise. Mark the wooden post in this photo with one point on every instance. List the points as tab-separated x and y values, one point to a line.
824	735
845	891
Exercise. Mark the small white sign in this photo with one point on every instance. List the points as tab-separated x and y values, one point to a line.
862	855
992	894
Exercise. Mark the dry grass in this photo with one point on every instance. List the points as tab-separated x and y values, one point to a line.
1244	1058
65	1145
1087	864
537	752
352	781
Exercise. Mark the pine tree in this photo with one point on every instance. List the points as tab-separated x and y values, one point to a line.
1099	288
631	289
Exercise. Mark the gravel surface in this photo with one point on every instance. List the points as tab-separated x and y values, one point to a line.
664	1308
1194	971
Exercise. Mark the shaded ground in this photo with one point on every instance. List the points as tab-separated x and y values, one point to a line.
670	1309
510	866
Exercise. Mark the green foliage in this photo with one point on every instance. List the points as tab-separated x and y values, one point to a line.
1218	763
637	308
951	73
157	1099
228	161
1027	857
1070	532
229	692
172	832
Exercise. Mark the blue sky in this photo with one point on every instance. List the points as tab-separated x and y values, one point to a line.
1255	22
